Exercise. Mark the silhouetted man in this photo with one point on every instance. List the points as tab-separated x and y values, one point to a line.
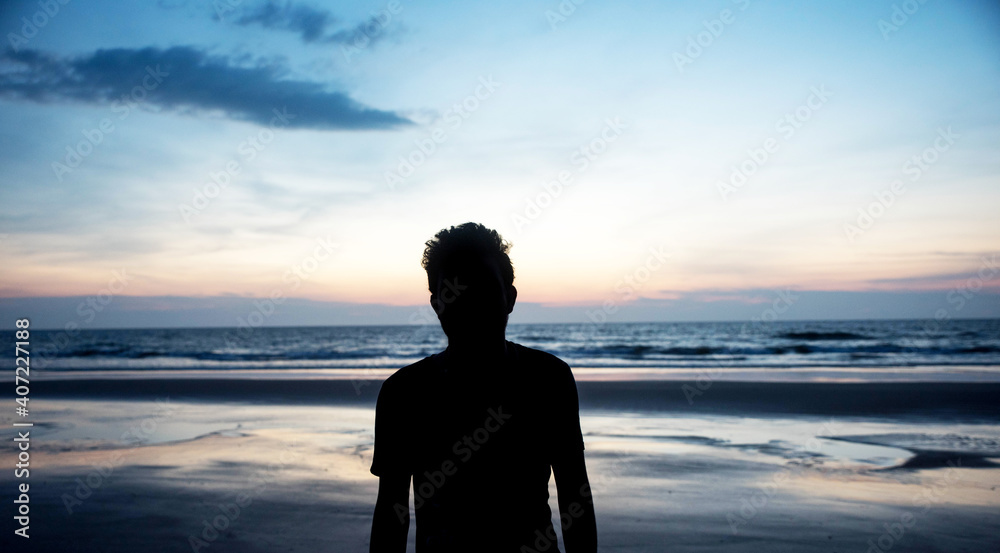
479	426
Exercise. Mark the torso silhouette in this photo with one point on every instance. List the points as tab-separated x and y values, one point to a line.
479	442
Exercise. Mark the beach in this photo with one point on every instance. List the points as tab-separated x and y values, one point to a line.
761	236
245	463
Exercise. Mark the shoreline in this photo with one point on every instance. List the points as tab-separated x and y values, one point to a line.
794	374
975	401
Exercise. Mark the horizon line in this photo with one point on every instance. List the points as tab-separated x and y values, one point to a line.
809	320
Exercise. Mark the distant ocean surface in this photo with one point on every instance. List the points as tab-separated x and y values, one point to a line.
773	345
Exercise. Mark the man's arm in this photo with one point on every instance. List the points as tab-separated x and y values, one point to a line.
391	521
576	503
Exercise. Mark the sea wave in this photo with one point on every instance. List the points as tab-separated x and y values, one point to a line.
815	336
804	344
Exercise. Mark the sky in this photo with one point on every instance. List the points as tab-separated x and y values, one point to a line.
186	163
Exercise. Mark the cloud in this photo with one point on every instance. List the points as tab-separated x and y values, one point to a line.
363	34
54	312
312	24
985	276
185	79
309	22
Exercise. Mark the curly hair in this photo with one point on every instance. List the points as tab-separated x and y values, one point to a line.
465	239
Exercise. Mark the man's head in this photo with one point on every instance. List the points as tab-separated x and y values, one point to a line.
471	280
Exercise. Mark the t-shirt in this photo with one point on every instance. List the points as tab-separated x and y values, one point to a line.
479	443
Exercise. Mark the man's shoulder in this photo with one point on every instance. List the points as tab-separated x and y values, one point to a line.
551	377
537	360
412	373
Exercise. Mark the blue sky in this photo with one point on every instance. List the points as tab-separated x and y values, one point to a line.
842	150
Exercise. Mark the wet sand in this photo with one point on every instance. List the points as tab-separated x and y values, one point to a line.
257	466
948	400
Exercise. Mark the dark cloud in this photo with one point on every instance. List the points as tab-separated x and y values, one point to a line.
185	79
208	311
309	22
312	24
363	34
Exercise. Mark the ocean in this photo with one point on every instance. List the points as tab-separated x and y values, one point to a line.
651	347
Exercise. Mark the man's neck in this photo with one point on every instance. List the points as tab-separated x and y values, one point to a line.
477	350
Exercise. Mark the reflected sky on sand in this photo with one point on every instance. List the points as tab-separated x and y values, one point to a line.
702	479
